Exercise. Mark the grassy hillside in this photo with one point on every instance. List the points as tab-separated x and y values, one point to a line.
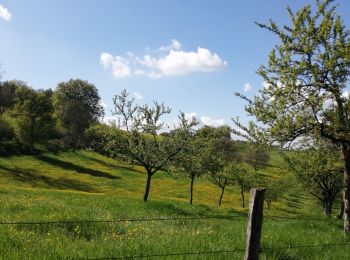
86	186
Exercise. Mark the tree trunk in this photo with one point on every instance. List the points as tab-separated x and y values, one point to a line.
268	203
191	189
148	186
327	208
31	141
341	210
346	192
242	194
222	194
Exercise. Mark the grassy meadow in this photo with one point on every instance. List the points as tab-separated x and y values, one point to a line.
83	185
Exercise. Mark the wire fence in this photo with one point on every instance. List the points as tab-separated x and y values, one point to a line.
156	219
123	220
175	254
235	250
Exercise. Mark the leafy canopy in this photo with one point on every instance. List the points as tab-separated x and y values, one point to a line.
306	78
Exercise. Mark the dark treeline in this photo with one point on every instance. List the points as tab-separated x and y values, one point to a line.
55	120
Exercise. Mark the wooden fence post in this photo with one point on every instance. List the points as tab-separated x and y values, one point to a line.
255	218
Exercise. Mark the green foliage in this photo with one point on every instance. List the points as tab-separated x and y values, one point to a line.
275	189
33	112
6	128
77	106
305	78
241	176
104	139
257	157
124	109
7	94
319	169
96	137
141	144
218	151
190	161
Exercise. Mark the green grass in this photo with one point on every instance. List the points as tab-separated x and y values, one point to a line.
85	186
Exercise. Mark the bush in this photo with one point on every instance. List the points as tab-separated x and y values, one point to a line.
95	137
6	129
99	138
13	147
56	145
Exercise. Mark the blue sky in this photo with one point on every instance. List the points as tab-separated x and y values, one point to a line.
192	55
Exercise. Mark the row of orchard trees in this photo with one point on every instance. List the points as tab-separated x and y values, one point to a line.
69	118
186	150
52	118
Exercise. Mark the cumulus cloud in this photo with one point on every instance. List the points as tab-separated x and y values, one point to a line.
181	62
247	87
190	116
137	95
175	45
5	14
175	62
212	122
111	120
119	65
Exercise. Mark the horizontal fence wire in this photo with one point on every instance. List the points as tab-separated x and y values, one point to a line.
172	254
305	246
158	219
236	250
122	220
299	218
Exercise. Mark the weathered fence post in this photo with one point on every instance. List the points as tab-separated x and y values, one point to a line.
255	218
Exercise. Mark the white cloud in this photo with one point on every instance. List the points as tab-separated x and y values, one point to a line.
137	95
5	14
175	45
119	65
110	120
181	62
190	116
154	75
247	87
175	62
212	122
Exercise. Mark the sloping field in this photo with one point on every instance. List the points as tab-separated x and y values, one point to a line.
80	186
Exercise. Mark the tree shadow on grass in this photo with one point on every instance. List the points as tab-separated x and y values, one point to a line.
285	211
111	165
74	167
295	201
33	177
294	205
171	209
